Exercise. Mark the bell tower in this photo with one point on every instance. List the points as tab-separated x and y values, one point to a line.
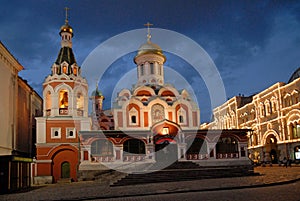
65	113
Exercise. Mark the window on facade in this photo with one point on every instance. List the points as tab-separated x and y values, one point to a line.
181	120
133	119
133	116
134	146
273	105
63	99
142	69
151	68
70	133
296	131
102	148
55	132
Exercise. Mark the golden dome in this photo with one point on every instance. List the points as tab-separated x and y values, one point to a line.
150	48
66	28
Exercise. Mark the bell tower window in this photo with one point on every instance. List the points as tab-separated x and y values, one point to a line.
75	71
64	69
63	99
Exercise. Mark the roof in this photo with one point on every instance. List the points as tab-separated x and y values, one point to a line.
295	75
65	54
151	48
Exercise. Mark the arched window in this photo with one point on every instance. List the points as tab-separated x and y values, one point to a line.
75	70
102	148
159	69
133	117
63	99
181	116
134	146
151	68
64	69
48	100
142	69
79	101
296	131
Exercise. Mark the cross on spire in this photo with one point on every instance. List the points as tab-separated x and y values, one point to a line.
148	27
66	10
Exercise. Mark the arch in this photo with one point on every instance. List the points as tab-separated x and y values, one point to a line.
173	128
185	94
63	86
61	154
52	152
168	91
143	93
144	89
267	134
125	92
133	114
293	116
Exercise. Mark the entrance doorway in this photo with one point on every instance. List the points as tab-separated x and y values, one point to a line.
166	151
65	170
271	149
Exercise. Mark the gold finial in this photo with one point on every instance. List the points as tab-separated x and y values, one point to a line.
66	20
148	35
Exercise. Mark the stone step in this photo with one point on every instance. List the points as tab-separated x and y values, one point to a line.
175	175
64	180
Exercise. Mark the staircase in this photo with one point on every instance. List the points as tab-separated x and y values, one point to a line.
183	171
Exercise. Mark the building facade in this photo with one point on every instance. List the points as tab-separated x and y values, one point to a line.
153	122
150	123
273	115
20	105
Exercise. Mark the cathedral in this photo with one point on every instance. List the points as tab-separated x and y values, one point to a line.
150	126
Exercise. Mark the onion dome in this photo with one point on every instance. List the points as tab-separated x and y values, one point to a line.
150	48
66	28
96	93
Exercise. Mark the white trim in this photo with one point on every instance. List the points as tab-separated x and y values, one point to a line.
68	130
53	130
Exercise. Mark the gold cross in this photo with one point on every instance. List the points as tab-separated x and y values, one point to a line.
66	9
148	35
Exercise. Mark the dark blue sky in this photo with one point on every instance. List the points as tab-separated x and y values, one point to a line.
254	44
